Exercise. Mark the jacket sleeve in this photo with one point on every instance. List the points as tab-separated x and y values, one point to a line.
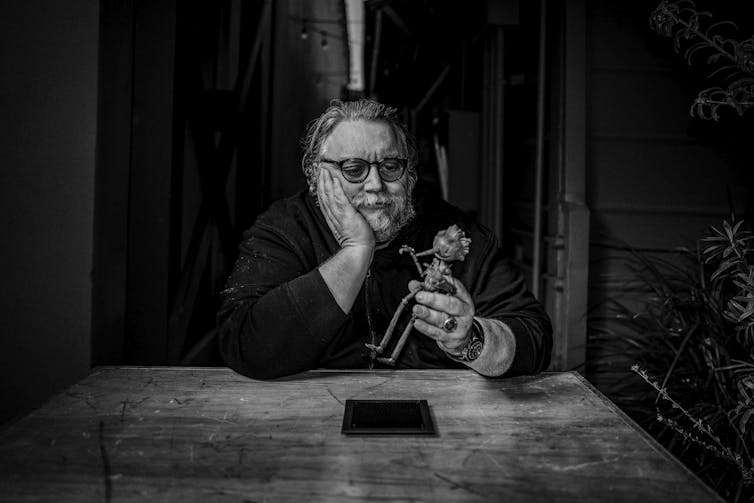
276	317
499	292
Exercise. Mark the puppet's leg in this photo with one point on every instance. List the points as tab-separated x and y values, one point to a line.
399	345
389	332
412	252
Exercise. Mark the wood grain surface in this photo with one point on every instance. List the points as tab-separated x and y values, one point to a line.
209	434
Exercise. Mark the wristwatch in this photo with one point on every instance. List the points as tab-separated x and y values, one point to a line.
474	345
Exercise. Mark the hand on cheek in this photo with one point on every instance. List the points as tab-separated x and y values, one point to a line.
347	225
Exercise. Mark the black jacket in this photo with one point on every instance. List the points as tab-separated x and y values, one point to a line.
278	316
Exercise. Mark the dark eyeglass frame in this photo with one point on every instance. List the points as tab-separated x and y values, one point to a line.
403	164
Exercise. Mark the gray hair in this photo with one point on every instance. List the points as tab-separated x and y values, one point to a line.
367	110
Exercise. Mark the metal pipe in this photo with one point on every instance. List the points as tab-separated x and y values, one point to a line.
432	89
375	51
536	273
499	125
243	84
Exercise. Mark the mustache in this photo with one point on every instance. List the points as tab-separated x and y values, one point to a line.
364	200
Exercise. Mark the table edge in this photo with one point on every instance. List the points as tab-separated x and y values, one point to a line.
649	439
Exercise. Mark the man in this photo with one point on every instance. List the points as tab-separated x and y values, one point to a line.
320	275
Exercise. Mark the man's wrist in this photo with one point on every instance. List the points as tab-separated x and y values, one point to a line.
344	274
362	250
473	346
358	254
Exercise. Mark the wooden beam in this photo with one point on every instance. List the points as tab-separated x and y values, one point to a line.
150	182
397	20
244	83
540	153
432	89
110	254
572	260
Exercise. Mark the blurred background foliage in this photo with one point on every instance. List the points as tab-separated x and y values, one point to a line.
684	320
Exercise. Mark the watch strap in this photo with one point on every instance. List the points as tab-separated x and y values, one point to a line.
474	345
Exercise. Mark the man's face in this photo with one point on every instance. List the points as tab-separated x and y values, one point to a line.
386	206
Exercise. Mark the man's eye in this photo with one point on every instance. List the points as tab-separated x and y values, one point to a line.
352	168
390	165
353	165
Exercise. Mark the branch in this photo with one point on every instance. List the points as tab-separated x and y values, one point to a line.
680	20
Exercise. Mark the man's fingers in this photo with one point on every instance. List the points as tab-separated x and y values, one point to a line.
326	205
461	291
431	331
332	187
338	193
327	185
446	303
323	194
449	341
414	285
432	322
431	316
336	196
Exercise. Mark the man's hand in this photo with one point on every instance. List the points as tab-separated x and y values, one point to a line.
348	226
345	271
433	308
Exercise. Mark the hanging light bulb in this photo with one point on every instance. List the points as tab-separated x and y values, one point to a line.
304	34
324	43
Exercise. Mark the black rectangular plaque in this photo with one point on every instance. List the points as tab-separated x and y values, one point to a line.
387	417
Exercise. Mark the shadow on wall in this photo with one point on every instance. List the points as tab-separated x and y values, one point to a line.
48	58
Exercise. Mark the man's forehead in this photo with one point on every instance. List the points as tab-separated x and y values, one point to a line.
355	137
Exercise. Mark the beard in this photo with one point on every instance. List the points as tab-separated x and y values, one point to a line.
385	213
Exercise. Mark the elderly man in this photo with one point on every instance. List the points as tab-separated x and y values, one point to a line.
320	275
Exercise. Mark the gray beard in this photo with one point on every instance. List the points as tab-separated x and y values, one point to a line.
386	224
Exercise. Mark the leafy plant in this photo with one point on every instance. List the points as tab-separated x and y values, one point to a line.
687	328
734	59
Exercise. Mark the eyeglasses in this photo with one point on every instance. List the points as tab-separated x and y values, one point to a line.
390	169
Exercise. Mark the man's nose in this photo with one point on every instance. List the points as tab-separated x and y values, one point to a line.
373	182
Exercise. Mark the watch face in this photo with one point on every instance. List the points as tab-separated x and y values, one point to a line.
475	349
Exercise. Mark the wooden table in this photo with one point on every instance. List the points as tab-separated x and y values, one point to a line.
209	434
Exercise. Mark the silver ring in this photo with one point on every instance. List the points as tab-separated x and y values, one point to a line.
450	324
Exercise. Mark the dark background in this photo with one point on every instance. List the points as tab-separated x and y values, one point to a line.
139	139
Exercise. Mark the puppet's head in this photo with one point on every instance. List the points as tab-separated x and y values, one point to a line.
451	244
